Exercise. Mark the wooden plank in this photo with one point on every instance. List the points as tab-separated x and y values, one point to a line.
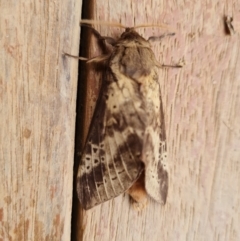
38	100
201	105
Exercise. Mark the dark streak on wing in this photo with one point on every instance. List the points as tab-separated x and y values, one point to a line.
86	185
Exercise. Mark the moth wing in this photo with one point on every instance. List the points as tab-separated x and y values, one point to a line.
142	67
111	159
154	147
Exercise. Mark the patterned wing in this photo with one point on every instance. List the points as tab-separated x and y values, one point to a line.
111	159
155	149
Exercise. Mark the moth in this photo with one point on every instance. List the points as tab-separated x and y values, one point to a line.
125	150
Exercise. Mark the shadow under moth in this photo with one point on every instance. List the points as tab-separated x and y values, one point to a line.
125	150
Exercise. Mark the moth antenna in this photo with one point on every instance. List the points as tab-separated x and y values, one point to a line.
89	21
151	25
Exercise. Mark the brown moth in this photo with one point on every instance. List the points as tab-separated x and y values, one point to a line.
126	150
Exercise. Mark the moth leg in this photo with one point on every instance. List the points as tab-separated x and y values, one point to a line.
105	40
138	193
172	66
168	66
98	59
158	38
109	40
76	57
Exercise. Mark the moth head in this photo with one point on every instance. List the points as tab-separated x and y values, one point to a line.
130	35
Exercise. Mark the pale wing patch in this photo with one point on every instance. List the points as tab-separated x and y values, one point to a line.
156	169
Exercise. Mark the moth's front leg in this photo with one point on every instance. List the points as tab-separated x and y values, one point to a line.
106	43
138	193
103	39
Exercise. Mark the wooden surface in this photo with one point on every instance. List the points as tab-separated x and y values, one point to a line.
37	118
37	122
201	106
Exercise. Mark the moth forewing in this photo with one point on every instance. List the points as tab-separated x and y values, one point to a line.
127	133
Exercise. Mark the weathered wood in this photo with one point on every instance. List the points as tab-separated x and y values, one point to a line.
201	105
37	118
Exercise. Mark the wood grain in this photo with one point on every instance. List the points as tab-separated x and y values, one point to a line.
201	105
37	118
